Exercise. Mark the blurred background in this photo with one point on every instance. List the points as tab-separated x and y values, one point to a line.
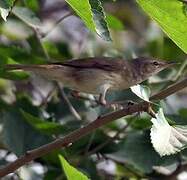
34	111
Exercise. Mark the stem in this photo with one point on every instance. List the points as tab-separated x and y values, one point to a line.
109	140
65	98
179	73
45	53
170	90
57	23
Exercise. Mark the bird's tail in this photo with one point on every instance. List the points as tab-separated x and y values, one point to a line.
10	67
49	71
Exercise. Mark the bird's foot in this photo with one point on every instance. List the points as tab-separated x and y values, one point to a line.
75	94
116	106
120	105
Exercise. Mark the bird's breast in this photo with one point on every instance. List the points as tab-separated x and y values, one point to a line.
90	80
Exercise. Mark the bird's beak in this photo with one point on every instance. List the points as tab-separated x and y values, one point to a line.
171	63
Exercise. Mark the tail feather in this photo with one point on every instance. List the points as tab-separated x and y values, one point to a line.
49	71
10	67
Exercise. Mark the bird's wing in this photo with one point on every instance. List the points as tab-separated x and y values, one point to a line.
104	63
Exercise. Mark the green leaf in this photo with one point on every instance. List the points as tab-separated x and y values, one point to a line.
139	123
6	3
43	126
27	16
136	150
114	22
183	113
141	91
92	13
32	4
50	128
70	171
5	7
20	55
19	136
8	29
10	75
170	16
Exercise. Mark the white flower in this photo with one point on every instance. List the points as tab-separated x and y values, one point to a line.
167	139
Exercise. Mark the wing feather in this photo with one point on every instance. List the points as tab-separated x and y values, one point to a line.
105	63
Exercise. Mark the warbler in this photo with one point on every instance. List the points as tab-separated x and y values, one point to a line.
99	74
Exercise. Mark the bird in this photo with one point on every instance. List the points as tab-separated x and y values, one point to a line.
97	75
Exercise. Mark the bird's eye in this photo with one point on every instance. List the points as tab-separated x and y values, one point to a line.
156	63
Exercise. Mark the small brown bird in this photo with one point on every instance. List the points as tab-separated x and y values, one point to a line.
98	75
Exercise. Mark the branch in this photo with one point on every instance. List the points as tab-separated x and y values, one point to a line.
170	90
180	71
109	140
44	51
79	133
56	24
67	101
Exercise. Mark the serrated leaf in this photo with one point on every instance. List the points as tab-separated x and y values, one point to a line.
27	16
167	139
5	7
92	13
170	16
4	13
141	91
70	171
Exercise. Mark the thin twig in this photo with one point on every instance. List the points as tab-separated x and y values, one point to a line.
79	133
56	24
70	106
45	99
170	90
180	71
109	140
89	143
38	36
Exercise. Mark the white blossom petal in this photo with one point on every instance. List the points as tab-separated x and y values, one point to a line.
167	139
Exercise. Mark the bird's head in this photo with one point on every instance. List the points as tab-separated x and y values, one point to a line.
150	66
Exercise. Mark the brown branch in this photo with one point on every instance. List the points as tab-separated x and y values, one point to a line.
170	90
79	133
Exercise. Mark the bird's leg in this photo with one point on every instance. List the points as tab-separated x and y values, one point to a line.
102	96
102	99
118	105
77	94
